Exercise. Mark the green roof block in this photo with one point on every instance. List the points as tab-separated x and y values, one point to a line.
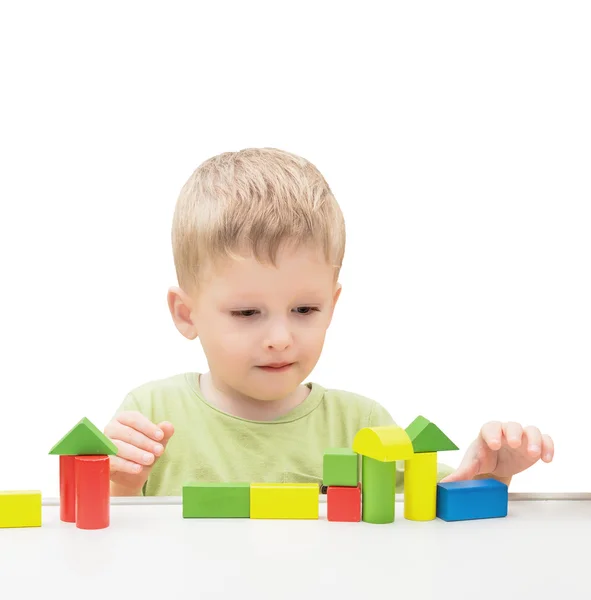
427	437
340	467
84	438
216	500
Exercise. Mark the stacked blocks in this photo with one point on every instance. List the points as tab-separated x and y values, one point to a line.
475	499
84	468
372	499
420	470
380	448
20	509
84	476
340	475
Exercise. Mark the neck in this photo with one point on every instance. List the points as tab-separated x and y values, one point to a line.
245	407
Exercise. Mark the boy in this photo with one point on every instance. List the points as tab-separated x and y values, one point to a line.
258	241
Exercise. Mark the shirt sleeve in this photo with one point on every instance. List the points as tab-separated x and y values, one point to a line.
131	403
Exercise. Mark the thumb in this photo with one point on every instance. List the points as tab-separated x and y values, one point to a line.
168	430
470	464
464	472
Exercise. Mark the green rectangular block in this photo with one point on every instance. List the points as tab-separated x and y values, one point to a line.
216	500
340	467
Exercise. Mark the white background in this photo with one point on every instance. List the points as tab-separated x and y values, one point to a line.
455	135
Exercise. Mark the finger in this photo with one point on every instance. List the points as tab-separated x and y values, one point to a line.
118	431
513	433
463	473
492	434
133	453
547	448
534	441
168	430
141	423
470	465
122	465
476	452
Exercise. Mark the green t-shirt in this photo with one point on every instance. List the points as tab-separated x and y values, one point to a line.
210	445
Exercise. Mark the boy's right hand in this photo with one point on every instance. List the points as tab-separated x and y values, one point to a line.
139	444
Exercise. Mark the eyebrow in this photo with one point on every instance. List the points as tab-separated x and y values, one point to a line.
250	300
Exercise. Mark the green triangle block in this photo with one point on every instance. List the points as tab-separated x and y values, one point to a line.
84	438
427	437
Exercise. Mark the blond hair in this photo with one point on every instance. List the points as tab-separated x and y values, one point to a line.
250	202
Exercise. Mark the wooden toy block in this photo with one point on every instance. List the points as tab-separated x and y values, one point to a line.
343	503
474	499
420	487
84	439
340	467
378	484
427	437
68	489
284	500
92	492
386	443
20	509
216	500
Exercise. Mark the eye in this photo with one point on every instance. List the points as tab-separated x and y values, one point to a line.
306	310
243	313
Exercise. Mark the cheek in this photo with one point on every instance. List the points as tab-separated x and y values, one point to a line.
312	339
233	341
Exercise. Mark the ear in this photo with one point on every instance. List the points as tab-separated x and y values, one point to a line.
336	296
181	306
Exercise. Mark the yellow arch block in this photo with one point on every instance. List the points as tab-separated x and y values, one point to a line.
20	509
385	443
420	487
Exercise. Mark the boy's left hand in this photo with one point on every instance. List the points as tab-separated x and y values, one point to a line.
502	450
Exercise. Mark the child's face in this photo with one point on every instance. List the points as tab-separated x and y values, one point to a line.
248	315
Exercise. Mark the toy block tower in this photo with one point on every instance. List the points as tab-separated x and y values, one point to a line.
340	475
380	448
84	475
420	471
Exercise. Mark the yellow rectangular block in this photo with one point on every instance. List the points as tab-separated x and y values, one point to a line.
420	487
20	509
284	500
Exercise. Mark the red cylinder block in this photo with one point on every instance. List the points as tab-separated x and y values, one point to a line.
92	492
68	489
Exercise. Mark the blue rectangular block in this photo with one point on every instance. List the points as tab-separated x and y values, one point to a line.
476	499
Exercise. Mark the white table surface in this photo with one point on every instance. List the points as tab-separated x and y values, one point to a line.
540	550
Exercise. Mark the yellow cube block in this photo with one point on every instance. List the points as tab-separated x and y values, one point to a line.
20	509
284	500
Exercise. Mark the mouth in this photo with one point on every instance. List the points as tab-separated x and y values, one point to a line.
276	367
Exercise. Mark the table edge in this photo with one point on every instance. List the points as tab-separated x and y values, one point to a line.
177	500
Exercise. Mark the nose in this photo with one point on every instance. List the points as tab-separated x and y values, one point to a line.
278	335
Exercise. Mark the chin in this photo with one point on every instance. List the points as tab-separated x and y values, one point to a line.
268	391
